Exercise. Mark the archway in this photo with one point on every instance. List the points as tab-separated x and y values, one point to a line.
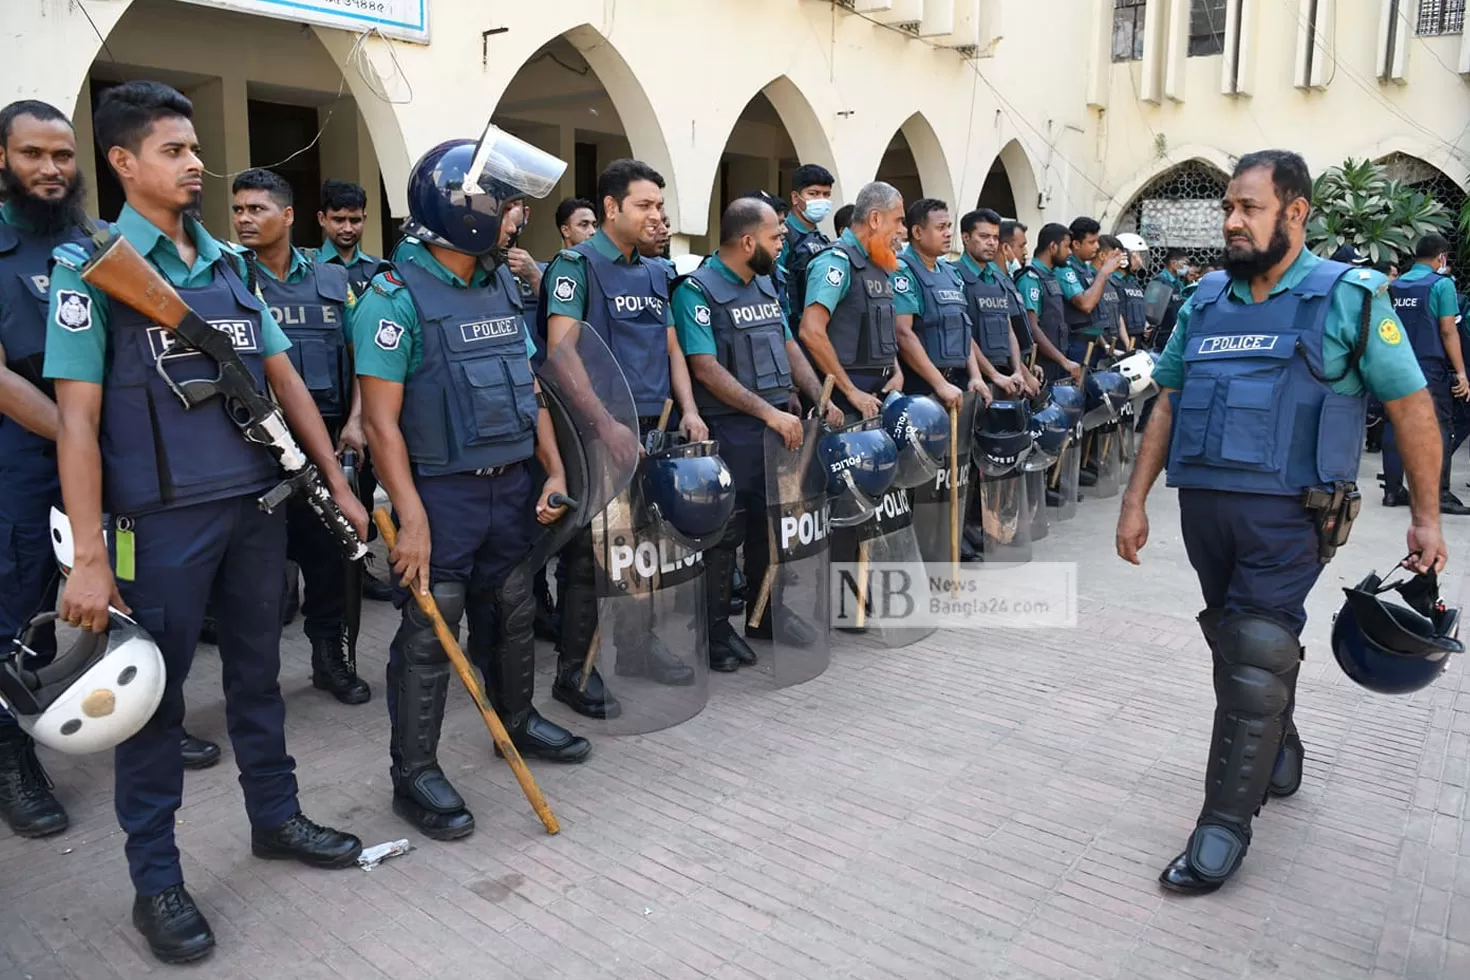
914	163
1179	208
1433	182
996	193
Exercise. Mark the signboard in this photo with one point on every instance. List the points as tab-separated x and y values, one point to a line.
1182	223
404	19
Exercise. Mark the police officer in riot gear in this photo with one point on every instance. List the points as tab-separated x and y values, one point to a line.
452	415
811	201
744	364
1092	306
1261	425
182	487
1046	304
851	332
606	283
1424	299
997	313
311	302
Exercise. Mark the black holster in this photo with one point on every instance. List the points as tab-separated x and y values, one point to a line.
1334	512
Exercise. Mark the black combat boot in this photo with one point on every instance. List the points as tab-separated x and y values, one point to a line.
578	626
26	802
175	929
331	671
198	753
727	650
737	592
301	839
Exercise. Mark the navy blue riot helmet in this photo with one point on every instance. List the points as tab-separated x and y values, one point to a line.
919	427
689	489
1048	428
1002	437
1106	390
459	190
862	462
1394	649
1066	396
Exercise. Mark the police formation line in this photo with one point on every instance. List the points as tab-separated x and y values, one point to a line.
180	415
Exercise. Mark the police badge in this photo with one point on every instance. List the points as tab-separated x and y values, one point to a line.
834	275
702	316
388	335
73	310
565	289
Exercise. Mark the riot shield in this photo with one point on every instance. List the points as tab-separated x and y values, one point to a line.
1036	502
1127	442
1103	450
1001	448
1065	477
886	592
651	614
940	505
1156	297
793	600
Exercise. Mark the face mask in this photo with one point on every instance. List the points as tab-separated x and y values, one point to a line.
1013	266
1443	270
817	210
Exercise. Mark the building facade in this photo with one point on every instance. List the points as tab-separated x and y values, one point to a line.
1130	110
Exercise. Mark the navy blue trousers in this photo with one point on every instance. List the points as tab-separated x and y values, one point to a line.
323	569
28	574
1253	553
232	555
1437	378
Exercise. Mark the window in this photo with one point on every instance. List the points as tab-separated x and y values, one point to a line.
1128	30
1441	17
1206	27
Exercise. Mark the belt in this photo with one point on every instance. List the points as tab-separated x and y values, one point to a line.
493	470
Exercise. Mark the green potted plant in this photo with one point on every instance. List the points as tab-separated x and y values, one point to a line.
1357	204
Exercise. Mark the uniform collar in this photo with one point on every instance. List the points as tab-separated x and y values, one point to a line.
1416	272
608	250
295	269
797	225
852	240
719	266
412	250
1305	262
148	238
971	264
12	217
1042	267
918	260
328	253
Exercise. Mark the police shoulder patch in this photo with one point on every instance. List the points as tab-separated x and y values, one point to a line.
1389	332
564	290
389	335
702	315
835	275
73	310
901	283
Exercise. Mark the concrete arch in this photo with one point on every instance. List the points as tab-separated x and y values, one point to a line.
1124	197
1024	177
934	173
1437	155
807	133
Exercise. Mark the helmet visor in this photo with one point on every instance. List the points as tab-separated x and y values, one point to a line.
506	167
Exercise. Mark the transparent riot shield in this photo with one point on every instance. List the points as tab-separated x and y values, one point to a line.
652	643
1064	479
885	591
941	502
1104	454
1127	441
1005	517
791	603
1036	502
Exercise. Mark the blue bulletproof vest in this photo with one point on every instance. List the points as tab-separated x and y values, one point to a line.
1054	306
1135	308
750	338
942	328
471	403
625	305
1020	322
24	280
800	252
1411	303
1109	309
862	330
1250	416
362	272
311	311
156	454
990	307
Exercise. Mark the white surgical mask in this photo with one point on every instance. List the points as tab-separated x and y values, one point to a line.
1013	266
817	210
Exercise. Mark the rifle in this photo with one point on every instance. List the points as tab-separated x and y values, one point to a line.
117	269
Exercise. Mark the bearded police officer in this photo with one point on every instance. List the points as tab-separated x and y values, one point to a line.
811	201
996	312
1264	382
1424	299
450	405
624	298
182	486
1046	303
310	301
848	327
744	364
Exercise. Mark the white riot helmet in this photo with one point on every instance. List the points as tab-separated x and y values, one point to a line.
99	693
1138	368
1132	242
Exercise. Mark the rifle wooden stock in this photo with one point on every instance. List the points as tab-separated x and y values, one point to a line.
119	271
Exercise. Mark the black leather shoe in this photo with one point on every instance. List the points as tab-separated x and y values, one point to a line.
376	589
536	738
1086	477
653	660
176	930
1286	776
26	801
1178	877
595	702
1212	855
1395	497
331	672
299	839
429	802
198	753
722	660
1450	504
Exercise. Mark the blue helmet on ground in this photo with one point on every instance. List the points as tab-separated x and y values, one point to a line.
861	462
689	489
919	427
1049	429
1107	390
1002	437
460	189
1394	649
1069	398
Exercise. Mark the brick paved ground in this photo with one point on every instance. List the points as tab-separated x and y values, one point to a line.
978	805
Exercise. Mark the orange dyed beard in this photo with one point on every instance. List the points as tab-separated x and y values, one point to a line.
881	253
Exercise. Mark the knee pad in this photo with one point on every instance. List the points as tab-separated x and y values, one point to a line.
1257	657
416	637
1209	620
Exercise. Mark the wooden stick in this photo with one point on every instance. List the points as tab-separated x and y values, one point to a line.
862	584
1087	358
954	498
590	660
507	748
663	418
828	383
768	582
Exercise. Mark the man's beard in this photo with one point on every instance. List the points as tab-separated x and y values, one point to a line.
882	253
1258	261
762	263
195	207
47	216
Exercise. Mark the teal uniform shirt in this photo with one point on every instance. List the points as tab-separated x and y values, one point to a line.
828	278
1069	276
696	333
1442	301
1388	370
566	279
80	353
1029	283
327	252
1168	276
907	296
389	302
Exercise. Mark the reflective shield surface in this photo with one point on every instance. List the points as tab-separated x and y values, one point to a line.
888	580
1062	481
940	506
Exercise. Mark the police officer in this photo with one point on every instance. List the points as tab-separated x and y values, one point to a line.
1013	253
1092	305
996	311
1128	281
311	302
811	201
744	364
1261	424
182	487
576	221
1046	305
1176	265
935	338
1424	300
606	282
849	332
452	414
